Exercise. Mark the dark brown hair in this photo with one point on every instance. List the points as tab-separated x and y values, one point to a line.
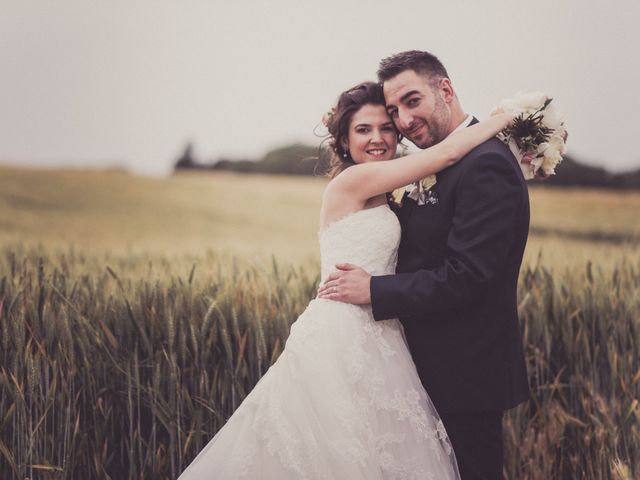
339	120
423	63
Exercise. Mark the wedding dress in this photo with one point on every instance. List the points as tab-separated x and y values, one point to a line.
343	401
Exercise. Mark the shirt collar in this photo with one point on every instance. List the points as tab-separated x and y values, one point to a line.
465	123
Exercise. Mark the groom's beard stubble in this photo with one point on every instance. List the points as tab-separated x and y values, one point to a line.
436	126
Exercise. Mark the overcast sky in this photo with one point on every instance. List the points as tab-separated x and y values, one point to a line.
128	82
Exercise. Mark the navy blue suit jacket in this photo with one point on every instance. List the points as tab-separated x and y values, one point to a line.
456	282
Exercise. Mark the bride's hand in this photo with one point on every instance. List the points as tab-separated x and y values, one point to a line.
350	284
508	118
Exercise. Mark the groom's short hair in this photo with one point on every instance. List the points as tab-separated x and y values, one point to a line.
423	63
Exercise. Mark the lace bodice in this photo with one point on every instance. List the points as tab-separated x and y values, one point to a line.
367	238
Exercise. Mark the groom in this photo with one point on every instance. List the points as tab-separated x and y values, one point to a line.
458	263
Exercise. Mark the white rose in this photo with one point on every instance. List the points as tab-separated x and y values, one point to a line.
557	142
530	101
543	146
550	159
549	170
552	117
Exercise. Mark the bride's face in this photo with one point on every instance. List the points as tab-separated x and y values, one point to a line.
372	136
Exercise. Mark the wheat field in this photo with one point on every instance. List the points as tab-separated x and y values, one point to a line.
136	313
257	217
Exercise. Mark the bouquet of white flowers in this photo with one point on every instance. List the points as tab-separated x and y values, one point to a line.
537	136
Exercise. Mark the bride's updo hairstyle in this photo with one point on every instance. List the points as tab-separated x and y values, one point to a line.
339	119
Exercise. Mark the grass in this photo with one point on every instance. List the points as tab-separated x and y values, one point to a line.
136	313
107	374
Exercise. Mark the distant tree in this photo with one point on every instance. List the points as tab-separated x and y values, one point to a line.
570	172
295	159
628	180
186	160
241	166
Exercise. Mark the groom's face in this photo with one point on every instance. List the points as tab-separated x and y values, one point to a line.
418	108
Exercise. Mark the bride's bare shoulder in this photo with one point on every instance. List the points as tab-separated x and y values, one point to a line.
338	201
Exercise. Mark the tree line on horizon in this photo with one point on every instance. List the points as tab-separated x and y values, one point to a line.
301	159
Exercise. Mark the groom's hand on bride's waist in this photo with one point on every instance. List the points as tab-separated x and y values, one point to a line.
350	284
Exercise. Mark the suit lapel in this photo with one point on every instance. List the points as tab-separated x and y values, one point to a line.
407	207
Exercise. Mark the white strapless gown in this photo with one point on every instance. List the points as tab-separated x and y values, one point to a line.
343	401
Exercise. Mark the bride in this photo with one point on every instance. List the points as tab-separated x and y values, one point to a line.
343	400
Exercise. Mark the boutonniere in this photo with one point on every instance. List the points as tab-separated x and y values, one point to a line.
427	182
421	191
418	191
397	195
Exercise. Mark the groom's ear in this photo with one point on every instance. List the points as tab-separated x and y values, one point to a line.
446	90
